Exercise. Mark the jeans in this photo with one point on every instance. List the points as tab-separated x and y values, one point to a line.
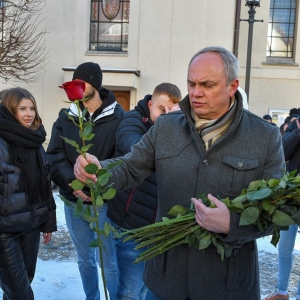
131	284
18	256
82	235
285	257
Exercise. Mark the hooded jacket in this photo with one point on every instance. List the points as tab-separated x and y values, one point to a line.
134	207
62	156
250	149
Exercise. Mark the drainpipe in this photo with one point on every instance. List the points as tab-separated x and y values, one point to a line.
237	28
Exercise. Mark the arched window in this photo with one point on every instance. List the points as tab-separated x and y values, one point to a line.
109	25
281	28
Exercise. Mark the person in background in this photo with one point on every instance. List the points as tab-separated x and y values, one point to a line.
292	123
285	125
268	118
137	206
105	114
27	206
212	146
291	147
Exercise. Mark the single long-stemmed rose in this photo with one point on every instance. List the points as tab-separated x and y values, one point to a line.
100	190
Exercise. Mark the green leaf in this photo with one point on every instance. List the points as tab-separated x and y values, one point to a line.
273	182
112	165
94	244
109	194
239	199
261	194
85	148
77	185
87	129
249	215
101	172
296	215
282	219
90	219
71	142
91	168
178	209
106	229
205	241
254	185
89	137
103	179
99	201
79	206
266	205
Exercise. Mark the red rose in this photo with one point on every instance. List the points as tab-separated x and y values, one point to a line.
74	89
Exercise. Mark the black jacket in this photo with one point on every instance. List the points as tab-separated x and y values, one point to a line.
62	156
291	147
134	207
16	215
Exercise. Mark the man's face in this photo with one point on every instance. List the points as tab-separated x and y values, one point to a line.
159	104
208	92
89	90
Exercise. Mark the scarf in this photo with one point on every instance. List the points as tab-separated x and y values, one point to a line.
24	152
211	130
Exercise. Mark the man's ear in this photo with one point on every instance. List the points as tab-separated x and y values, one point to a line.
149	104
234	84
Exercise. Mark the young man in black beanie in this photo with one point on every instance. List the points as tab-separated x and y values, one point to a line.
106	114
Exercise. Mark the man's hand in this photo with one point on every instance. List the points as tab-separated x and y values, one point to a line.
81	162
215	219
82	195
47	237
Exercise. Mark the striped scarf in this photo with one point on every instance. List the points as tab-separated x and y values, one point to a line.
211	130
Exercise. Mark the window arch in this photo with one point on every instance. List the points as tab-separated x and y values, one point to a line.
281	28
109	26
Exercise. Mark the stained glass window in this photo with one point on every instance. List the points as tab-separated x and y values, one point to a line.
109	25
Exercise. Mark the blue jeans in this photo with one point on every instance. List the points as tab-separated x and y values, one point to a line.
131	284
152	296
285	257
82	236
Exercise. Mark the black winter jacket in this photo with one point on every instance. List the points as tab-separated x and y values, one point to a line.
16	215
291	147
134	207
62	156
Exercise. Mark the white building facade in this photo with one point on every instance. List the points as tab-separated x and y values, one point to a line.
142	43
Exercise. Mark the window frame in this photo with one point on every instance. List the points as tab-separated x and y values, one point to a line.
122	43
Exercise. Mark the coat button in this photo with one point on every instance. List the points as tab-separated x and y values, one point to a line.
205	162
236	252
240	164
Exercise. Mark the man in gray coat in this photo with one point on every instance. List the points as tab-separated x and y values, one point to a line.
212	146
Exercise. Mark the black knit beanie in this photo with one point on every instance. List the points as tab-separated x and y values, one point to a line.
90	73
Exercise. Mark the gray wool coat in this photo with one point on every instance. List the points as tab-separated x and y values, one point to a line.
251	149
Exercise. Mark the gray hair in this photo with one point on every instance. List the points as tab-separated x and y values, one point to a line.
231	64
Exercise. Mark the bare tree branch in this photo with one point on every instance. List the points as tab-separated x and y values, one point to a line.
22	48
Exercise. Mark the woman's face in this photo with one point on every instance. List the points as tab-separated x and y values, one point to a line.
26	112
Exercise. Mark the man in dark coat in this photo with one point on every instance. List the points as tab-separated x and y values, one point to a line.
105	114
136	207
212	147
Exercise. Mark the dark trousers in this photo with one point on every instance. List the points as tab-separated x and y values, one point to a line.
18	256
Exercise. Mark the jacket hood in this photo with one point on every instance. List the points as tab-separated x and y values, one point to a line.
142	106
106	109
